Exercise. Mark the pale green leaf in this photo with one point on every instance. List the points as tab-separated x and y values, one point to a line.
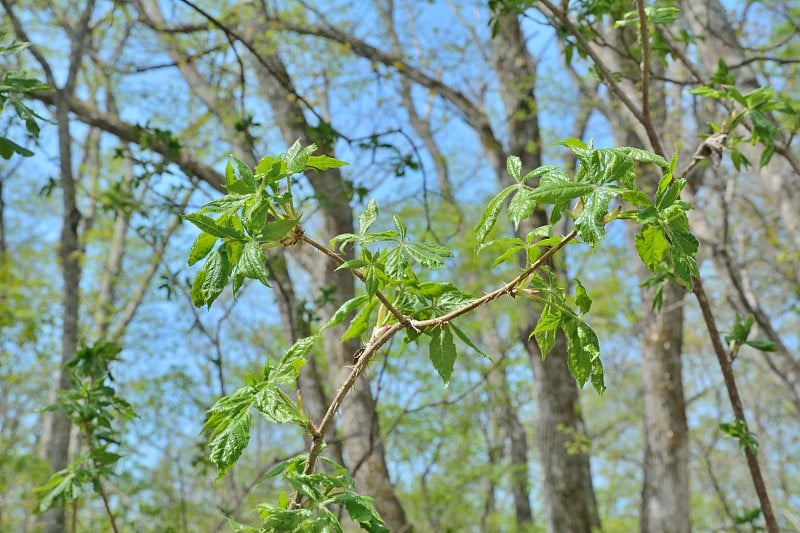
360	322
368	217
489	216
215	228
252	262
652	245
201	247
217	270
323	162
276	230
514	167
344	310
521	205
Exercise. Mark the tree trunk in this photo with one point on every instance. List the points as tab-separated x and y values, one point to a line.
69	252
665	494
504	417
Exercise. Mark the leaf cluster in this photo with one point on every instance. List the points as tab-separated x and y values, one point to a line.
763	107
13	86
93	406
257	213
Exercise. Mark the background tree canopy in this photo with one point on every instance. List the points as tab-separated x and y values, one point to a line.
391	211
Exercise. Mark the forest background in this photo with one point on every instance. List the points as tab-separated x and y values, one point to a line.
145	101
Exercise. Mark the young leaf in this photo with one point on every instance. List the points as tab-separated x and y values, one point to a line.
521	205
466	340
556	188
590	221
216	270
371	281
252	263
245	173
360	322
368	217
396	264
254	214
201	247
402	229
489	216
276	230
652	245
427	254
272	405
323	162
442	352
545	331
229	421
212	227
582	299
514	167
582	350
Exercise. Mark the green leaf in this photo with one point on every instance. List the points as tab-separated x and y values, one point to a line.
396	264
371	281
466	340
764	346
635	197
514	167
278	519
521	205
368	217
212	227
272	405
582	299
198	298
489	216
229	422
442	352
276	230
344	310
556	188
295	357
9	148
216	270
545	331
583	349
201	247
589	223
402	229
252	263
323	162
360	322
652	245
245	173
672	193
297	158
427	254
254	214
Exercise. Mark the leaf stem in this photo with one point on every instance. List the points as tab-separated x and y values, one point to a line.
400	317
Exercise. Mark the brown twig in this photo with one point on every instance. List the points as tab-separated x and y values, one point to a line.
736	403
